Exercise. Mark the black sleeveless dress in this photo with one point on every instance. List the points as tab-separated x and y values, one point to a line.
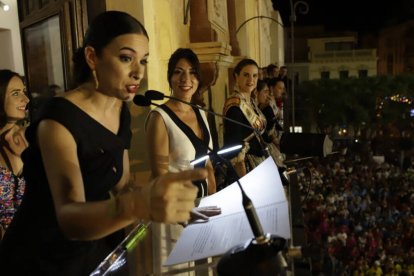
34	243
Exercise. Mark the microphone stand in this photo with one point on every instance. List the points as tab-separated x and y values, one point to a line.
298	250
162	95
261	255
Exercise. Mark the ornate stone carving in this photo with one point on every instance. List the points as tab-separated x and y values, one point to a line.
217	15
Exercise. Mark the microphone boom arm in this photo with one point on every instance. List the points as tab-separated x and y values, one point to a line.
156	95
212	112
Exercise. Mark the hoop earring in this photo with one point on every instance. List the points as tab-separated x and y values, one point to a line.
95	78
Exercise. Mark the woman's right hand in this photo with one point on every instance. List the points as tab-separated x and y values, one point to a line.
171	196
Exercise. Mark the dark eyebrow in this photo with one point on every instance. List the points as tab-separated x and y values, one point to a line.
181	68
127	48
132	50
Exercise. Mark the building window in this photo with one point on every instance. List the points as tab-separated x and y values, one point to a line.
339	46
362	73
325	75
343	74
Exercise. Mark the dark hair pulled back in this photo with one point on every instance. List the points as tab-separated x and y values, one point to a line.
260	85
243	63
102	30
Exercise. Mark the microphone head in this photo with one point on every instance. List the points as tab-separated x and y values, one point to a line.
154	95
141	100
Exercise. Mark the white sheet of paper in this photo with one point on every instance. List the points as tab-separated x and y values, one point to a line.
222	232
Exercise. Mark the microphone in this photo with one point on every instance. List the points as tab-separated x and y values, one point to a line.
262	254
248	206
155	95
141	100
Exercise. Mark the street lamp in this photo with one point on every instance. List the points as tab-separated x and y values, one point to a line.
303	9
259	17
5	7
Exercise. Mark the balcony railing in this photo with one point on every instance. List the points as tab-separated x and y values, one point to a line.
342	55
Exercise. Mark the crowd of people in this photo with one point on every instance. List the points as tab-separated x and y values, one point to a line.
360	212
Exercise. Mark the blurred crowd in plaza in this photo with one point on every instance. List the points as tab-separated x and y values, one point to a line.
359	211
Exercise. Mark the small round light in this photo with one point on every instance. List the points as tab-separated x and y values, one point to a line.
4	6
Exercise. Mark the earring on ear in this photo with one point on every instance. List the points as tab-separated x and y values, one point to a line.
95	78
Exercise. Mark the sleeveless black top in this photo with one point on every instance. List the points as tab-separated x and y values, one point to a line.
34	243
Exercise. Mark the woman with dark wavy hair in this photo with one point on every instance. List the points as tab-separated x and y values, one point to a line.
13	103
177	134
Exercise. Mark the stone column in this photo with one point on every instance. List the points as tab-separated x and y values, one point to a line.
210	40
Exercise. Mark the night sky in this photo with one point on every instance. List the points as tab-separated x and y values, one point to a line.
352	15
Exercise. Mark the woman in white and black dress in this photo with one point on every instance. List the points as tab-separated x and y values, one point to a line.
177	134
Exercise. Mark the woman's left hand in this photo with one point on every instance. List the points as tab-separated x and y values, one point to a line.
204	213
15	140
